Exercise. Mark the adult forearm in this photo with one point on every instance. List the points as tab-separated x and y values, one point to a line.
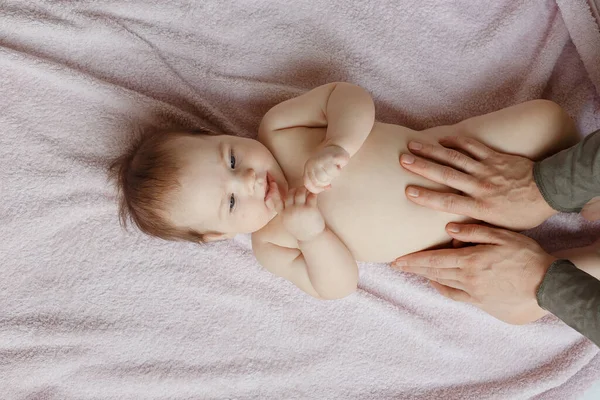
571	178
573	296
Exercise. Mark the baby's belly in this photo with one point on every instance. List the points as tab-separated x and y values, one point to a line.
367	206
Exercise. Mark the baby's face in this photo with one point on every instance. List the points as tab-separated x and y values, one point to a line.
223	184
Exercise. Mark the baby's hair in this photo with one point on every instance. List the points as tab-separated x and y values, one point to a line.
147	178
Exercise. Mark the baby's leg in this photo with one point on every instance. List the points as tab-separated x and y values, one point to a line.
534	129
585	258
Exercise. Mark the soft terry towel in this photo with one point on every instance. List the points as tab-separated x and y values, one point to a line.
88	311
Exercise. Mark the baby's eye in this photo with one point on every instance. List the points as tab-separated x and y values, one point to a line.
232	160
231	202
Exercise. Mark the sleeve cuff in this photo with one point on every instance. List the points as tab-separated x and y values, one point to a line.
538	177
556	265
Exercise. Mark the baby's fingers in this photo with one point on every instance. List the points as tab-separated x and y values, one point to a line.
274	201
311	183
309	177
341	160
311	186
324	176
300	197
332	171
289	200
311	200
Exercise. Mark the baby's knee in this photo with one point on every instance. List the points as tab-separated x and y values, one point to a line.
548	111
553	114
552	121
547	106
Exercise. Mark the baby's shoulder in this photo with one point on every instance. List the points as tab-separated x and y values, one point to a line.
292	147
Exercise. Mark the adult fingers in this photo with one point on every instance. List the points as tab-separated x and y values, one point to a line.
481	234
470	145
447	202
453	293
446	258
434	274
457	244
446	156
439	173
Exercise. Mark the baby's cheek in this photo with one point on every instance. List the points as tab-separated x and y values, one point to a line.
256	217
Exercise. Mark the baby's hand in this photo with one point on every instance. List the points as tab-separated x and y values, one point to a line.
300	215
324	167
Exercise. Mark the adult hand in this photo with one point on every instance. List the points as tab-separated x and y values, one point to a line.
496	188
500	275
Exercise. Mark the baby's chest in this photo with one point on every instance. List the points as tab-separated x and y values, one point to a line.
367	207
292	148
377	223
365	196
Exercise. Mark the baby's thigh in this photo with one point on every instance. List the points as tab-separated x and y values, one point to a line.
585	258
534	129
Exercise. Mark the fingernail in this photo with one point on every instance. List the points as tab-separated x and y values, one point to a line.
415	145
407	159
412	192
399	264
453	228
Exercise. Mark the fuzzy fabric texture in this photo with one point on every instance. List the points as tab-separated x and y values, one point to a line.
88	311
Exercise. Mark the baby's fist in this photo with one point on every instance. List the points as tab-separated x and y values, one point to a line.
301	217
324	167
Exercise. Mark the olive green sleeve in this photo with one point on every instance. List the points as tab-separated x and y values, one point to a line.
571	178
573	296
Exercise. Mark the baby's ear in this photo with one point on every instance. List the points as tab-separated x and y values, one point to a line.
213	237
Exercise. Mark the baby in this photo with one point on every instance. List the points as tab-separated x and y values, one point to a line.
321	188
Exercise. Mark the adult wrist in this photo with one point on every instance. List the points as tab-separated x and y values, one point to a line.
542	194
544	296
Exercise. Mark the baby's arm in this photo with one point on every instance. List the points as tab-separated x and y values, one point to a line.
285	262
345	109
321	265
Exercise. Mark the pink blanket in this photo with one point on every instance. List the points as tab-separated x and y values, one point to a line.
88	311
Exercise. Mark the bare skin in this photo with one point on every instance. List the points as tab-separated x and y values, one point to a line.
500	275
503	271
363	211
